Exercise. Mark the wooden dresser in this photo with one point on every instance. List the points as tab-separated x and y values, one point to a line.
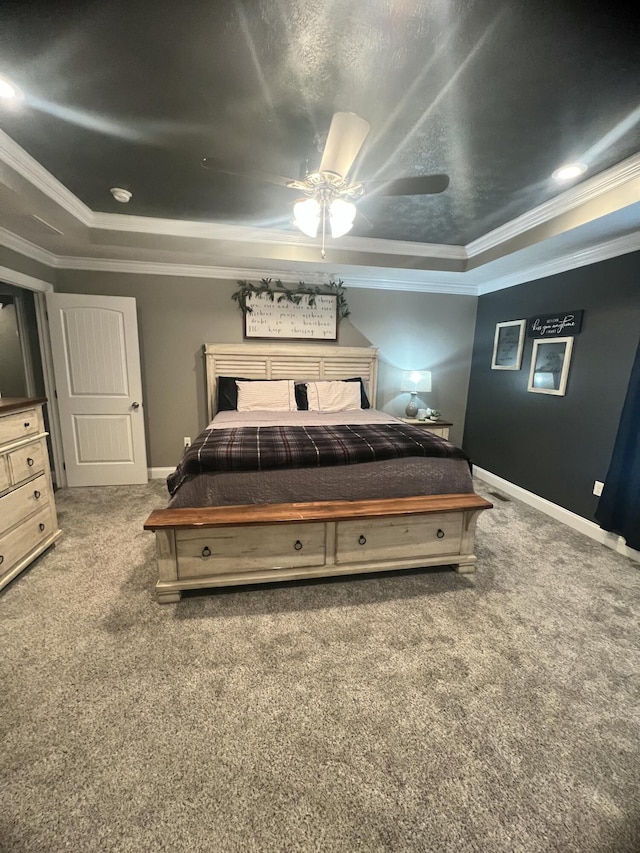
28	522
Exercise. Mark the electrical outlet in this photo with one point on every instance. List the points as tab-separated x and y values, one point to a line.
186	441
597	488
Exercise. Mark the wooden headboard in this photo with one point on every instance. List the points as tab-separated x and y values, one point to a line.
289	361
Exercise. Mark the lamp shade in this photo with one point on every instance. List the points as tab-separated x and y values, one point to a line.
416	381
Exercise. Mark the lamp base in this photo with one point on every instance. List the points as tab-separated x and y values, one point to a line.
412	406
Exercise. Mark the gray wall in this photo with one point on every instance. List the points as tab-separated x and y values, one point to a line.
177	315
414	331
27	266
553	446
12	378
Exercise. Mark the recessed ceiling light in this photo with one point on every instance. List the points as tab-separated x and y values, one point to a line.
120	195
569	172
8	90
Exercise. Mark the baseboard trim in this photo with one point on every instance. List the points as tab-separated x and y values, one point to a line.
160	473
589	528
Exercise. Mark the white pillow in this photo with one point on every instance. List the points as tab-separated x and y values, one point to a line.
333	396
268	396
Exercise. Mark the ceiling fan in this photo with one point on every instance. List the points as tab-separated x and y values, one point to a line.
328	193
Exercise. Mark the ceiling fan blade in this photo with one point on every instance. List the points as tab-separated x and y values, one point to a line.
213	165
344	141
419	185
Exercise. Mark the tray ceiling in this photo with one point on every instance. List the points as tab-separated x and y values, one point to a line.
495	94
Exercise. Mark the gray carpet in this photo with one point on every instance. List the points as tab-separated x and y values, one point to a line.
419	711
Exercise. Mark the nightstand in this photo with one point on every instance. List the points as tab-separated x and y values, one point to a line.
438	427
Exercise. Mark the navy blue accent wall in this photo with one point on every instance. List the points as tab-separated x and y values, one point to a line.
554	446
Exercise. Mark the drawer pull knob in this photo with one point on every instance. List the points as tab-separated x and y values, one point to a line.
298	545
206	551
362	540
27	424
1	559
41	526
36	494
29	461
440	534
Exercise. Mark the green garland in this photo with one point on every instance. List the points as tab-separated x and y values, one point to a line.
280	293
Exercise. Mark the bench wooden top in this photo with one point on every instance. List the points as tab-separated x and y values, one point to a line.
224	516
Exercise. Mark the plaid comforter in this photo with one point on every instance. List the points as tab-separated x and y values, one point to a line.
269	447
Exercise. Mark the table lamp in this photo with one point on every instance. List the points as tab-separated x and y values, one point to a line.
415	382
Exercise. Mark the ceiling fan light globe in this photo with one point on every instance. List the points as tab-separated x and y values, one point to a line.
341	216
306	216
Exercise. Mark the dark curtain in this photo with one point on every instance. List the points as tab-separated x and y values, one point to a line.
619	507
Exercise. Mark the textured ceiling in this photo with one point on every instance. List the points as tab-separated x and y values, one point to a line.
496	94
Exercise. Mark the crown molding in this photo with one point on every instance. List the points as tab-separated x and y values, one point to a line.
428	283
18	159
399	278
423	281
586	191
268	236
24	247
572	260
24	164
20	279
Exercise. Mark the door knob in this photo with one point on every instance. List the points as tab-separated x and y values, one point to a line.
135	406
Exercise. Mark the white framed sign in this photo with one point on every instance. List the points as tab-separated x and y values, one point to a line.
550	366
508	343
282	318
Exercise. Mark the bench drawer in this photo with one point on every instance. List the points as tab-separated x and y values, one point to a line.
398	538
223	550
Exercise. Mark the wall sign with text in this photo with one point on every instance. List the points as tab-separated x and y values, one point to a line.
507	345
553	325
286	319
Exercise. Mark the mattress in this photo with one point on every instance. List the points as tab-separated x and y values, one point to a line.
389	478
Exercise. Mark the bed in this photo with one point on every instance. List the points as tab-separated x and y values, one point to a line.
264	496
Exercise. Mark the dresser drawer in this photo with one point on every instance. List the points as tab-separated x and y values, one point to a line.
5	480
23	501
24	538
223	550
19	425
398	538
26	461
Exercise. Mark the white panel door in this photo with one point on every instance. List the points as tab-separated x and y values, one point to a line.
96	363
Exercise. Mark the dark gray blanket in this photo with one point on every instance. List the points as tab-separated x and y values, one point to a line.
274	447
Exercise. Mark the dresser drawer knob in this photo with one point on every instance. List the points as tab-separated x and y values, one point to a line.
36	494
440	534
1	559
362	540
298	545
27	424
206	551
41	526
29	461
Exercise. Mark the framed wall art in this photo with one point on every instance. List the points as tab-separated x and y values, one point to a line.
306	319
550	361
508	344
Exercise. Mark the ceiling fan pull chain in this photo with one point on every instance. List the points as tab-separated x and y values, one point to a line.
324	225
